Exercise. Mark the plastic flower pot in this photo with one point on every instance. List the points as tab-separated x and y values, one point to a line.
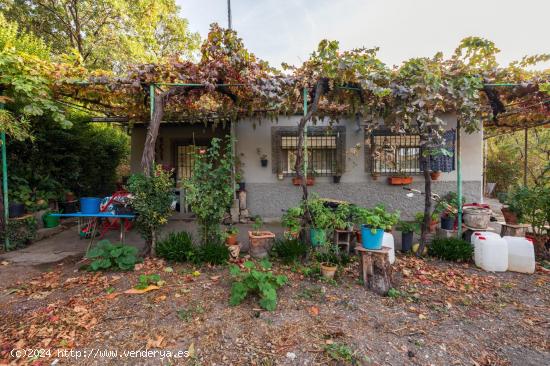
447	222
400	181
372	238
263	162
298	181
16	210
435	175
50	221
510	217
328	270
406	241
317	236
90	205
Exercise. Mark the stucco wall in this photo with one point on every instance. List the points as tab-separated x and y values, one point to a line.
268	196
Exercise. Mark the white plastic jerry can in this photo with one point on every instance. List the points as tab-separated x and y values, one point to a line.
478	256
494	253
387	241
521	254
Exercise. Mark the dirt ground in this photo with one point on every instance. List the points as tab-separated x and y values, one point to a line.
442	314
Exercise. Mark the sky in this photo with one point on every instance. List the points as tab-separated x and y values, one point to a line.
289	30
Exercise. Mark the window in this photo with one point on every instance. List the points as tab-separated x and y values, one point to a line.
325	147
185	160
393	153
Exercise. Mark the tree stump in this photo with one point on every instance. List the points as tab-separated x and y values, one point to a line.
375	269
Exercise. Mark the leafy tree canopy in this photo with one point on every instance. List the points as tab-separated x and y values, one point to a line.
106	34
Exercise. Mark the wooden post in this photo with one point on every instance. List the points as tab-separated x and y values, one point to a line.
526	142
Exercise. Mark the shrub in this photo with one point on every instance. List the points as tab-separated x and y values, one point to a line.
112	256
20	232
289	250
209	191
251	280
451	249
212	253
152	200
177	247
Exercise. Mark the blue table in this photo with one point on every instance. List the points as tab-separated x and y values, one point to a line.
95	219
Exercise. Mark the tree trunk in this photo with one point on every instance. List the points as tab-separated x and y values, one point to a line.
299	166
427	207
148	157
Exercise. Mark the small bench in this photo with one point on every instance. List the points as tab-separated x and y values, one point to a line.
375	269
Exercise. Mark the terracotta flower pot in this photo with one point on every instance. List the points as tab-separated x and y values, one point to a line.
433	226
400	181
260	243
231	239
510	217
435	175
298	181
328	270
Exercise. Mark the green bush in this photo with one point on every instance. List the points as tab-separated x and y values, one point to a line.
251	280
112	256
20	232
451	249
289	250
212	253
177	247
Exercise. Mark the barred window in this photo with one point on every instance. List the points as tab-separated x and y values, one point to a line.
325	148
185	155
394	153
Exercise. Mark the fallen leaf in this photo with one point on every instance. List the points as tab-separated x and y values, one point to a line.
155	343
168	269
313	310
4	263
141	291
422	316
191	350
215	278
196	274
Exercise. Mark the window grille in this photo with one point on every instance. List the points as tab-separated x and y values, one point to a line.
186	160
394	153
325	148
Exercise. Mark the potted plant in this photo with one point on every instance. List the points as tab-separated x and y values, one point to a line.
19	198
513	206
310	180
400	180
322	219
49	220
70	196
407	228
375	175
231	235
259	240
328	257
343	218
263	158
419	218
292	221
373	224
434	175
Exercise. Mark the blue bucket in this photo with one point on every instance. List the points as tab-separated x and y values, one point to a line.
371	240
89	205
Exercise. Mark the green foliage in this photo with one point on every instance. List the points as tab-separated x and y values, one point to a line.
505	159
212	253
531	205
340	352
376	218
108	33
106	256
451	249
252	280
289	250
322	217
145	281
20	232
232	230
177	247
343	218
258	224
408	227
152	199
292	219
209	191
82	159
394	293
25	76
331	254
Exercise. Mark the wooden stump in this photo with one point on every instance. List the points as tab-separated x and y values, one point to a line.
375	269
513	230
